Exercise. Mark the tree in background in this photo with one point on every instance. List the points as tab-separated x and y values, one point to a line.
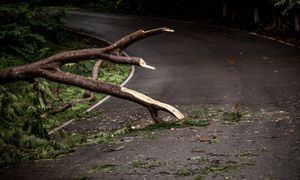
288	6
284	12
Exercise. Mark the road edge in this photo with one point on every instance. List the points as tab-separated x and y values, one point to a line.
251	33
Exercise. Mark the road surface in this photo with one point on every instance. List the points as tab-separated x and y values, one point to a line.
198	66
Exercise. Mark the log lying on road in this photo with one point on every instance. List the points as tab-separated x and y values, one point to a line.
49	69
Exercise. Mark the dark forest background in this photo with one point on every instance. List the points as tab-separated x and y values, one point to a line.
227	11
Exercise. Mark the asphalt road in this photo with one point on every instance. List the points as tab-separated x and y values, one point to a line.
199	66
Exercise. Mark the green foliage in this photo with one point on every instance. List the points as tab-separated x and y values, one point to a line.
109	72
232	117
184	172
104	168
198	178
171	125
15	107
198	117
18	146
196	122
288	5
114	73
74	140
24	133
104	137
145	164
23	125
28	33
26	30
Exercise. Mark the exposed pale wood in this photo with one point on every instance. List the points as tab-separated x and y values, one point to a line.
145	65
152	102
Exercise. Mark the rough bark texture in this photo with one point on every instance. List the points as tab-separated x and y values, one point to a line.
87	96
49	69
95	74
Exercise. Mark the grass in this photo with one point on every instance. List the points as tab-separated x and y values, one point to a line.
104	137
104	168
218	169
109	72
57	94
23	131
108	137
184	172
145	164
196	119
232	117
171	125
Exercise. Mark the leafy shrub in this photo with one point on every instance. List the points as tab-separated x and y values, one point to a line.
29	34
25	31
288	5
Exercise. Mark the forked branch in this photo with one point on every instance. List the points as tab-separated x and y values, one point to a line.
49	69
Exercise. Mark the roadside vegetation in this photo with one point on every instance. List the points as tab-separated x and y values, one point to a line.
28	34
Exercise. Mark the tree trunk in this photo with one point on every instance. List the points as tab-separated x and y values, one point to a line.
256	15
225	10
296	23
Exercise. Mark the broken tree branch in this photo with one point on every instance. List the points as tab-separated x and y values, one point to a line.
49	69
134	37
95	74
68	105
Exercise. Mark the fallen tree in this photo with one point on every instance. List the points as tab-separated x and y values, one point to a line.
50	69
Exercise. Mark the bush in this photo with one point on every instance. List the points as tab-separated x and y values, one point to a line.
25	31
25	35
288	5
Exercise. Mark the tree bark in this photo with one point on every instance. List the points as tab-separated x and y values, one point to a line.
49	69
95	74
